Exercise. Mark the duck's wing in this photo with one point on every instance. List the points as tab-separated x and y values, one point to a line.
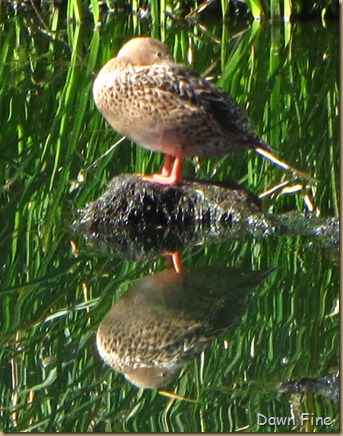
190	89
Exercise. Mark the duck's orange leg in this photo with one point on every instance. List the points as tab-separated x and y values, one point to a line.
174	175
171	173
166	170
174	260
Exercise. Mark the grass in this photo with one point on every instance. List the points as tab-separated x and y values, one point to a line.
276	9
55	289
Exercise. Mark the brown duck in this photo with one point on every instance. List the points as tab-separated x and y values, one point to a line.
165	320
168	108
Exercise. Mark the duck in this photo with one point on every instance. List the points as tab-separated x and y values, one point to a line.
169	108
166	319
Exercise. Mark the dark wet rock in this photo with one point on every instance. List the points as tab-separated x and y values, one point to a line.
137	219
130	200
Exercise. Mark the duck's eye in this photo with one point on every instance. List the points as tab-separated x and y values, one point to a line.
158	54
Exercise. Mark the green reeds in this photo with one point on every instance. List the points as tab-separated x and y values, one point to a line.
285	9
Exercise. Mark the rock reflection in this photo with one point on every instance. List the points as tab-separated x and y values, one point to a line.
165	320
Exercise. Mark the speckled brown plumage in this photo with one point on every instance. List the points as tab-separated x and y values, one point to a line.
168	108
168	318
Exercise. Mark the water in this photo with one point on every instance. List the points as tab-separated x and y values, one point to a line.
56	287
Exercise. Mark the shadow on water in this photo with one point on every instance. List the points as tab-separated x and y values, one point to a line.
254	346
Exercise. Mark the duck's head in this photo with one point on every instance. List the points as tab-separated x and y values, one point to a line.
144	51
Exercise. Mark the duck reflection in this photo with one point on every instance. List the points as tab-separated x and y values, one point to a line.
165	320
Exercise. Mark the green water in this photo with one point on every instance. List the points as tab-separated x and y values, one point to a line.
55	289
